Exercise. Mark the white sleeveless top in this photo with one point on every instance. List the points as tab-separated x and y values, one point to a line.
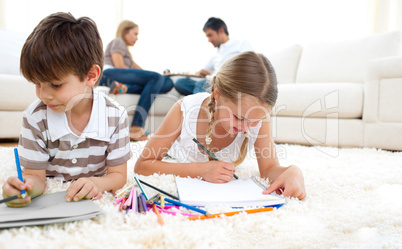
185	150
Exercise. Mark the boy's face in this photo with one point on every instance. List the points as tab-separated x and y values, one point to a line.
63	95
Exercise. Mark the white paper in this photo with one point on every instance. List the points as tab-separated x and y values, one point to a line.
235	193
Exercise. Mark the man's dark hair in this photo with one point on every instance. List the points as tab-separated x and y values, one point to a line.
216	24
61	45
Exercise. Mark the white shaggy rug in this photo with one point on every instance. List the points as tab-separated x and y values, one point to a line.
354	200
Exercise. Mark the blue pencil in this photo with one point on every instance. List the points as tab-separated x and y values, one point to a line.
17	162
143	202
187	206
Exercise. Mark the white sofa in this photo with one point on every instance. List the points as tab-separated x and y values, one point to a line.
341	93
330	93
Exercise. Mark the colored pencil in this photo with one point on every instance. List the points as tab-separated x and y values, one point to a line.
153	199
119	200
121	192
10	198
210	154
141	188
175	213
249	211
162	201
160	219
159	190
17	162
134	205
187	206
143	202
140	206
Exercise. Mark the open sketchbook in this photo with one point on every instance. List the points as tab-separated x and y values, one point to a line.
235	193
47	209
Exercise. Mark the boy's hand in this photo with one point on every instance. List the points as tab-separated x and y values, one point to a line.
13	186
290	183
217	171
83	188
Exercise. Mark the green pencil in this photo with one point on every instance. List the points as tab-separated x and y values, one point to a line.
141	188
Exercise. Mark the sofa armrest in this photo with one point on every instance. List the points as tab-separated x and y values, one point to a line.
383	90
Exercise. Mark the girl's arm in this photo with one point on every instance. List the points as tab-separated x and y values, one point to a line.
150	161
135	65
288	180
118	61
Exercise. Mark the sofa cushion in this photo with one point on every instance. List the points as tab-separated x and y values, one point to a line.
320	100
285	62
345	61
10	51
16	92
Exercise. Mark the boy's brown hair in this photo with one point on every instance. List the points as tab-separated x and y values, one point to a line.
61	45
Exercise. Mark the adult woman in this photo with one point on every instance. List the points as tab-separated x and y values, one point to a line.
129	77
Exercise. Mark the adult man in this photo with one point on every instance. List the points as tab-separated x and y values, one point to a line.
217	32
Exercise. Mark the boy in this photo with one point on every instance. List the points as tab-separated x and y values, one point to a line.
72	132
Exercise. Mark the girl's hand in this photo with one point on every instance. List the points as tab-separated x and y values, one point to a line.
83	188
290	183
217	171
13	186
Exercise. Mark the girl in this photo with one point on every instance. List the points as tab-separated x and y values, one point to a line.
231	120
130	78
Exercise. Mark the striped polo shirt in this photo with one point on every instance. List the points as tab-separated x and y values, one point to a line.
47	142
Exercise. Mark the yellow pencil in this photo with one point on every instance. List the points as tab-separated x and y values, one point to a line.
162	200
249	211
160	219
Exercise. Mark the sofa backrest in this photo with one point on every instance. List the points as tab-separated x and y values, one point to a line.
285	63
345	61
10	51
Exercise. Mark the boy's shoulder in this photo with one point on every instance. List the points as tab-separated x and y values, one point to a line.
36	108
110	103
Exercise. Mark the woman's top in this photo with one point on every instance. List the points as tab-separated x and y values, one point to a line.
117	46
185	150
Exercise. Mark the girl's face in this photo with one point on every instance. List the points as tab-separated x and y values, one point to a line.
131	36
239	116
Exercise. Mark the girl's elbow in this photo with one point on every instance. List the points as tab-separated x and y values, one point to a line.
138	167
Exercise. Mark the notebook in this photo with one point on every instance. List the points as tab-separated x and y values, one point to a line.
235	193
47	209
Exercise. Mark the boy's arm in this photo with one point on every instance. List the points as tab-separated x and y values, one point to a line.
289	179
115	178
93	187
34	184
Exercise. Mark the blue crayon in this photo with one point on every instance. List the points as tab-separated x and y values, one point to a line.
17	162
187	206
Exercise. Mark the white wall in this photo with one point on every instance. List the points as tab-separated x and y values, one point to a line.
171	33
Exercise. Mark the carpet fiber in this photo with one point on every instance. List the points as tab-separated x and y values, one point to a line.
353	200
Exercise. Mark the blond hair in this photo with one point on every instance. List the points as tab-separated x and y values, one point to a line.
247	73
123	29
